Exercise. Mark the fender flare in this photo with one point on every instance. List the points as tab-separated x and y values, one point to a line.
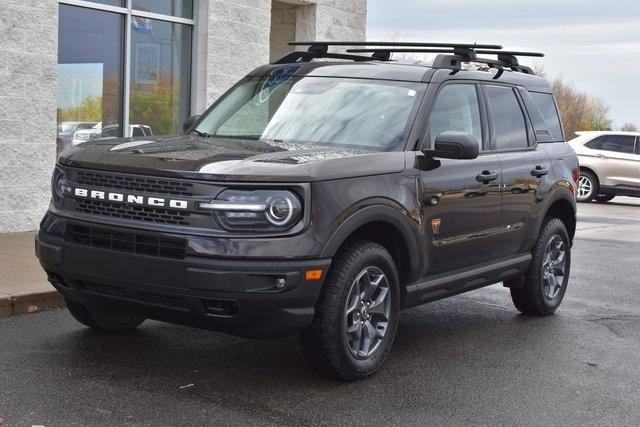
379	213
563	194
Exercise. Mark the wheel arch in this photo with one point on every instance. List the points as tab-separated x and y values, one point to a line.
562	207
386	226
591	170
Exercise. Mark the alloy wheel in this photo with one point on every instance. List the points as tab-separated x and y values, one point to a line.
553	267
585	187
367	312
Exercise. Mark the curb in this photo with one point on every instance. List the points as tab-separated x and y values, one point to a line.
29	303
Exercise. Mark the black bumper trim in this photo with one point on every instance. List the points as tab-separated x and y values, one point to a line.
241	297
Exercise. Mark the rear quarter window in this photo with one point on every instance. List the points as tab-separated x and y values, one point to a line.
547	107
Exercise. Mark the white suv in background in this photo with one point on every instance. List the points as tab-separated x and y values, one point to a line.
609	165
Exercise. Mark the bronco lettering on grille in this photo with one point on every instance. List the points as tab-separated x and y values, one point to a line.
133	199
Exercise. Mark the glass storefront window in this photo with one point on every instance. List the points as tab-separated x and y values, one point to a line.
90	63
180	8
160	75
93	63
119	3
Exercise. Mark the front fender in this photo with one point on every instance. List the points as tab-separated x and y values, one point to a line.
398	219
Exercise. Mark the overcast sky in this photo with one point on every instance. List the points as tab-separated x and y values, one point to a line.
594	43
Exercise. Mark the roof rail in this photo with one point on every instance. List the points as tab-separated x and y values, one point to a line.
453	58
451	55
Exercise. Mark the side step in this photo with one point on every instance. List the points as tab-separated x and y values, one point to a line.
445	285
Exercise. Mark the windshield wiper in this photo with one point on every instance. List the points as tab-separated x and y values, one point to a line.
202	134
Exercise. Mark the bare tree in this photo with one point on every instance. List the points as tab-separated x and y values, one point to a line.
629	127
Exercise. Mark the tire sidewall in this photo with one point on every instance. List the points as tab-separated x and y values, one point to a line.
382	260
554	227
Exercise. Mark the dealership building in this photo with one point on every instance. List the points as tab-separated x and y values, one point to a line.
73	70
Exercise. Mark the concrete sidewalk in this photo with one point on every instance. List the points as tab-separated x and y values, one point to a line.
23	284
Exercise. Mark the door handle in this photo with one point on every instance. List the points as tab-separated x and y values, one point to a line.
539	171
487	176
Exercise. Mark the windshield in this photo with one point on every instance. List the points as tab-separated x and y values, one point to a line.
316	110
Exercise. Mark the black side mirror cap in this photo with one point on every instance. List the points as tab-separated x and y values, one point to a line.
455	145
189	122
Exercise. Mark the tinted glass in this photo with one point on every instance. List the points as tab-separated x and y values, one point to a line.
617	143
508	119
90	52
181	8
456	109
547	108
284	109
119	3
160	75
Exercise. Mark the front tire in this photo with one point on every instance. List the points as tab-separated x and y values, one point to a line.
546	280
588	187
356	314
103	320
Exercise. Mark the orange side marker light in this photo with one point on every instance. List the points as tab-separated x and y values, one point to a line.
313	275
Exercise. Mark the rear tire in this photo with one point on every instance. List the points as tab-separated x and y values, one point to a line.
356	314
604	198
103	320
545	282
588	187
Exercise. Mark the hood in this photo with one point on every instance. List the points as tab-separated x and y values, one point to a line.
225	159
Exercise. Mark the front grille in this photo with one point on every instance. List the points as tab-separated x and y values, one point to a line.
125	241
134	183
138	213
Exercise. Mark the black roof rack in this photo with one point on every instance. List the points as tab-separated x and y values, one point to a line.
451	55
399	44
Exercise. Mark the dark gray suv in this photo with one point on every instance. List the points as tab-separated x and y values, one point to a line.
321	198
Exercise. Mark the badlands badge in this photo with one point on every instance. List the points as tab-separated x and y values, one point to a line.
435	225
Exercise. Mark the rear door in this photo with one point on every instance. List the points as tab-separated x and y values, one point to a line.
525	168
461	198
620	163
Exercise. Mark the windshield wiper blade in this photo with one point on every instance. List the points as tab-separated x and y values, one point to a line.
202	134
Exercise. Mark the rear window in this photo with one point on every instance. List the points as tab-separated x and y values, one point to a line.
617	143
547	107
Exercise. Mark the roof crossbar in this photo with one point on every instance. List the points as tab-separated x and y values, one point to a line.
451	55
506	59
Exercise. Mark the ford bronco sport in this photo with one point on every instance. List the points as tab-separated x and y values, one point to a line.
321	198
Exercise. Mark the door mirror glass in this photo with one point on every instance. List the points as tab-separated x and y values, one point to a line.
189	122
454	145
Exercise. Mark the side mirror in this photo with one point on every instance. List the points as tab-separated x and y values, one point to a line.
189	122
455	145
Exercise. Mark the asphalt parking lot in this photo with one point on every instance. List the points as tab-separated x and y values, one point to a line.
471	359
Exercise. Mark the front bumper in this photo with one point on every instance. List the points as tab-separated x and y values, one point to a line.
241	297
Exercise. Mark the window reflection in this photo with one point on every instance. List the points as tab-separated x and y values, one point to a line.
180	8
89	74
160	76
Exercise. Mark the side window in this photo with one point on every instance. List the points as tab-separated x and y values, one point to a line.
508	119
547	108
616	143
456	108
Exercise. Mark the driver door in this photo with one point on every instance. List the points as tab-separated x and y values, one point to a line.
460	198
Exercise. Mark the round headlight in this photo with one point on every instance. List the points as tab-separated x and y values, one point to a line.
280	211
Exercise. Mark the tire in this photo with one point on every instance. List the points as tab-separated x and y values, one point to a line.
604	198
588	187
103	320
327	344
534	297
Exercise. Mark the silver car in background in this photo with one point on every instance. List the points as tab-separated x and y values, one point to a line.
609	165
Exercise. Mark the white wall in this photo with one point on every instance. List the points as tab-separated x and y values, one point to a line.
28	98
